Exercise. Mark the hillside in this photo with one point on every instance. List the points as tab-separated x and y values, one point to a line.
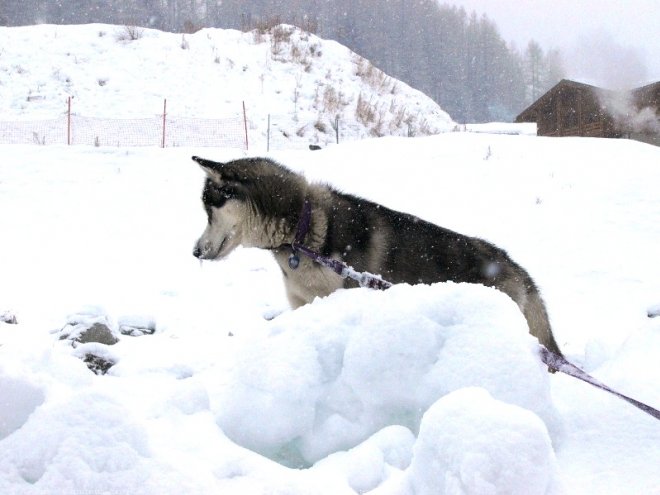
302	81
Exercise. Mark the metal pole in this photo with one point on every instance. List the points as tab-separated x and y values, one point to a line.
245	124
68	122
164	121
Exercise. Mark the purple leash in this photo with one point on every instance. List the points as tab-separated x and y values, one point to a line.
366	279
559	363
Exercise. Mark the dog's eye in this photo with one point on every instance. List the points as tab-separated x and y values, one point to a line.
216	196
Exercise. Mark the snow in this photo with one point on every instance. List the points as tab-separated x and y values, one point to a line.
217	387
470	443
301	81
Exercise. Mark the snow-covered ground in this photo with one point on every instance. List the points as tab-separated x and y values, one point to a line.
216	387
396	392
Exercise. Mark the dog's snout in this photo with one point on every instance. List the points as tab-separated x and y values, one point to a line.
197	252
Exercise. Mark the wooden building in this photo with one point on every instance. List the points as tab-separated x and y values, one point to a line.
572	108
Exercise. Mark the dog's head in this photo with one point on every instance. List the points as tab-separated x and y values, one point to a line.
224	201
239	197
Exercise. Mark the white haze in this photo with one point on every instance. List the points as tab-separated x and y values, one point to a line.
607	42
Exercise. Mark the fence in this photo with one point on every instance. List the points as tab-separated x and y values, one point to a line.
162	130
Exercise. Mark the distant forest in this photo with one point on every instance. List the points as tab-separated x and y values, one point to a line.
458	59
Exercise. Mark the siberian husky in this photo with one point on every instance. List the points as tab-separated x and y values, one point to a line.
255	202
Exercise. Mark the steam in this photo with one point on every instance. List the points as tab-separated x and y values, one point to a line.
629	114
599	60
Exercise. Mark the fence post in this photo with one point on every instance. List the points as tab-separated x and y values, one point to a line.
245	124
68	122
164	121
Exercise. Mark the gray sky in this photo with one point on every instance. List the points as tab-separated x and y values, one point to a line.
613	43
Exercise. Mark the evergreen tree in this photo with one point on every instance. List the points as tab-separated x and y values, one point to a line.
459	60
541	71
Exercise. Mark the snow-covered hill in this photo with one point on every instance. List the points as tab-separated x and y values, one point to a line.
304	83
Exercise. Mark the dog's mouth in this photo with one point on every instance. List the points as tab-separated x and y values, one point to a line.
206	252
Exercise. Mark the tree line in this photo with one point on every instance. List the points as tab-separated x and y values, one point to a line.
458	59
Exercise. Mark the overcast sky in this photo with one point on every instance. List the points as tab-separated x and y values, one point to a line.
608	42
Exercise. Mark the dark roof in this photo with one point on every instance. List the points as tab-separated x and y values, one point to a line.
650	94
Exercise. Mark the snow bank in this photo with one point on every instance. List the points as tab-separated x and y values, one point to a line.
344	383
347	366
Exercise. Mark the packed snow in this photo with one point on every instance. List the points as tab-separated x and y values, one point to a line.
126	366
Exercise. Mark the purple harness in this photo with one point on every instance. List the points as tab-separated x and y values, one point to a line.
554	361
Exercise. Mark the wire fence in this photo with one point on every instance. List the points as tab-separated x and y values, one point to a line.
162	130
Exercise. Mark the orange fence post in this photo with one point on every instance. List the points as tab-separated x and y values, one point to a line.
164	120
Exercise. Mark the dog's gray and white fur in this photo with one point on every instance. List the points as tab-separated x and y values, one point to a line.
256	202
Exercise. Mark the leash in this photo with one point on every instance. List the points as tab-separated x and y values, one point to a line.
369	280
365	279
559	363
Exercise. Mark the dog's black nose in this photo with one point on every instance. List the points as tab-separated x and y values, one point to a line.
197	252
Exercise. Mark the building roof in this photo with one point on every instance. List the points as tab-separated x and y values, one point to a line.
648	94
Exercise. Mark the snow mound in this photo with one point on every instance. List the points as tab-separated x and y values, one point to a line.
470	443
77	444
347	366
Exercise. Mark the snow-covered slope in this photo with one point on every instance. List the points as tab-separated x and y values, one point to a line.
302	81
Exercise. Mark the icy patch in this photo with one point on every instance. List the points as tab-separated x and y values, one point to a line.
343	368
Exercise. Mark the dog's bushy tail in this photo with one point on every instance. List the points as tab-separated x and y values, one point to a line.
538	321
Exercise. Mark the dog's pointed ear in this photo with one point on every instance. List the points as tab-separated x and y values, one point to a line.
208	165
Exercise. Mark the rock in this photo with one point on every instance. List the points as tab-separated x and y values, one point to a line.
98	364
98	332
9	318
137	326
85	332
